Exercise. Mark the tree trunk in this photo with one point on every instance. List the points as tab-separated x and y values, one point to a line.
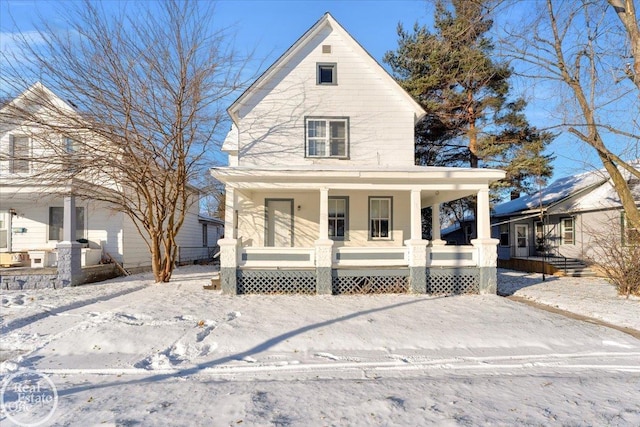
625	10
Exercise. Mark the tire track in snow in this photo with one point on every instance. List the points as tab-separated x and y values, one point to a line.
489	365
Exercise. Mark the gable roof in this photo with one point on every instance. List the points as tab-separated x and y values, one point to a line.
35	91
589	190
326	21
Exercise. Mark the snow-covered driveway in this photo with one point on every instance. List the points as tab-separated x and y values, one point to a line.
130	352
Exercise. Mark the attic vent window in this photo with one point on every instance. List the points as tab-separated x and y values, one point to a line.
327	74
326	48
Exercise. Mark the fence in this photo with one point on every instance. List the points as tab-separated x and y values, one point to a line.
196	254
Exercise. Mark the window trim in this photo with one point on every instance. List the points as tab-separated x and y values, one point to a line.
346	219
334	73
205	235
390	229
563	241
501	233
12	160
328	120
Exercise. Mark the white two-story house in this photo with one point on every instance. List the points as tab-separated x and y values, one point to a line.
32	202
322	194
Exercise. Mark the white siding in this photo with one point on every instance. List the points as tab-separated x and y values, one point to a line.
381	121
251	221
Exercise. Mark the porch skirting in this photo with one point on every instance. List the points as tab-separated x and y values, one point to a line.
341	281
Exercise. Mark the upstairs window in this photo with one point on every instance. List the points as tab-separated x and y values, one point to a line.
19	150
327	137
71	145
327	74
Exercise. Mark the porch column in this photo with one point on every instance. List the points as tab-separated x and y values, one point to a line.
417	247
435	226
229	245
69	251
324	247
486	246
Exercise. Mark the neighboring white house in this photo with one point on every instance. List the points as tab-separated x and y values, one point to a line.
322	194
563	218
31	211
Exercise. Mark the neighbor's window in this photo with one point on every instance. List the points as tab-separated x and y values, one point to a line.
327	74
56	221
338	217
504	234
71	145
327	137
380	217
205	236
19	148
567	230
630	235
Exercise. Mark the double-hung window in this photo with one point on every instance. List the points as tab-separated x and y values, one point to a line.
504	234
567	231
19	148
338	217
56	221
327	137
380	218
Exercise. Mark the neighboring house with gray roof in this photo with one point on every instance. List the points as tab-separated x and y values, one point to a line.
563	218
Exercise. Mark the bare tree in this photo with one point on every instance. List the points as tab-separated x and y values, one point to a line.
148	86
617	255
580	50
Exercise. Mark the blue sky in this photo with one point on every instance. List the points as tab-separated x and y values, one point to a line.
270	27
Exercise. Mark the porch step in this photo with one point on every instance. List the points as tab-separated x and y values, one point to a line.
571	267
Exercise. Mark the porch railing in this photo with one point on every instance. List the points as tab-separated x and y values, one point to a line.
393	256
276	257
304	257
191	254
452	256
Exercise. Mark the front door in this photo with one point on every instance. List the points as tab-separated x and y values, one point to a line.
279	222
522	240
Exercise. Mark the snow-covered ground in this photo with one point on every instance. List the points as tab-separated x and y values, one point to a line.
130	352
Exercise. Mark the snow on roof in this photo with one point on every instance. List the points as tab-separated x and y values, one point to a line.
595	186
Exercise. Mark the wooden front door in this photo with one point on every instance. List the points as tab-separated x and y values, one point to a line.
279	222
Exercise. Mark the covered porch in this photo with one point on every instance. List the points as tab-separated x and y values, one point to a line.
343	231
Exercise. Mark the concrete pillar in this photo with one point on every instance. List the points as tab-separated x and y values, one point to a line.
417	247
229	245
69	251
486	247
228	265
324	248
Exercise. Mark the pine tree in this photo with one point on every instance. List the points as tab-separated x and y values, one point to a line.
471	120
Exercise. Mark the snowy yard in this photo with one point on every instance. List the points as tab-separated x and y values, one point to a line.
129	352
